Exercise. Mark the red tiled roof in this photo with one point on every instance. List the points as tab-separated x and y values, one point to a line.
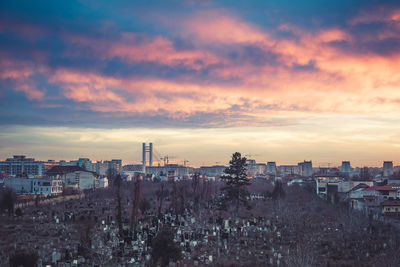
391	202
388	187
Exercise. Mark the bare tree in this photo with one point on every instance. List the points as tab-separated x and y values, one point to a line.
195	191
117	185
136	196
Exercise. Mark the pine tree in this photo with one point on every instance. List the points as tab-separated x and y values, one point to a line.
235	191
278	192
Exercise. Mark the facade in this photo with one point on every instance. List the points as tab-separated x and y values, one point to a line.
305	168
34	186
271	168
212	171
170	170
102	183
387	168
346	167
389	191
286	170
391	207
73	176
115	164
341	186
133	168
99	167
254	169
20	165
83	179
375	199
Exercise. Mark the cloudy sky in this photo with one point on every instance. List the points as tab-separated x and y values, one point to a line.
279	80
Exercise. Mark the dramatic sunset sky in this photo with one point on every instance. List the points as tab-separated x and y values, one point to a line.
281	80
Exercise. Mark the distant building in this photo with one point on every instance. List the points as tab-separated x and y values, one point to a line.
20	165
212	171
387	168
102	183
115	164
98	167
286	170
346	167
391	207
73	176
34	186
133	168
170	170
305	168
271	168
254	169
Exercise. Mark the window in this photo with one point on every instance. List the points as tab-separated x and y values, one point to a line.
387	209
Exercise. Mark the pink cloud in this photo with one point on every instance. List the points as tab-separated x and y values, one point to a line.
218	26
20	75
338	82
377	15
148	49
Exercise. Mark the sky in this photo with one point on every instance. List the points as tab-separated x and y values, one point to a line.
282	81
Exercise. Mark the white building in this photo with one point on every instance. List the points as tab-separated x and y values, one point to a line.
305	168
212	171
73	176
102	183
34	186
170	170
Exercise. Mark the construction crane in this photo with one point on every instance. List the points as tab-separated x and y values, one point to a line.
184	162
166	159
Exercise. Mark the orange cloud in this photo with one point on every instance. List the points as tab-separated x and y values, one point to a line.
310	78
216	26
157	49
377	15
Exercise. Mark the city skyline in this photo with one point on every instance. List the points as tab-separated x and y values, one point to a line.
285	81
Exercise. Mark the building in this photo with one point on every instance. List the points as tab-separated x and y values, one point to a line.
133	168
115	164
34	186
212	171
305	168
98	167
19	165
254	169
391	207
170	170
346	167
74	176
387	168
271	168
389	191
337	184
102	183
286	170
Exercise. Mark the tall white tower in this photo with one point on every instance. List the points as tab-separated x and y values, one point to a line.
147	149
